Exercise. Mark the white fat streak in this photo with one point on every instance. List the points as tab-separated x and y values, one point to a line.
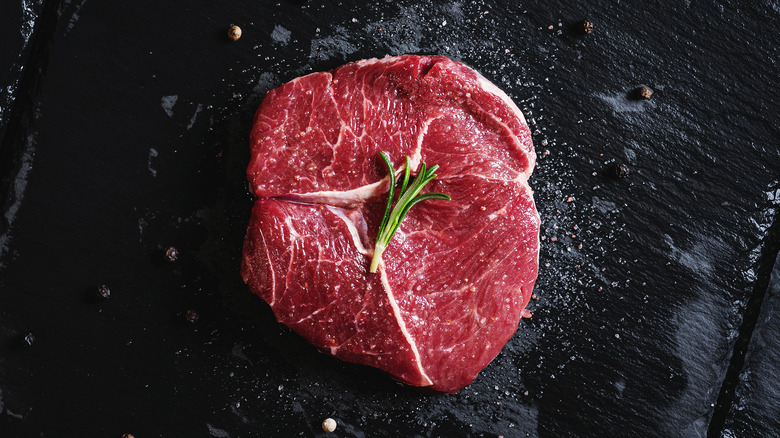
340	198
352	231
402	325
293	232
311	315
491	88
416	157
369	61
498	213
520	179
270	268
530	192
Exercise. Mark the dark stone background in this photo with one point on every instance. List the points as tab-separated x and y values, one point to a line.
124	130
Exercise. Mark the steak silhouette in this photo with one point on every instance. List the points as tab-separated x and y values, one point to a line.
456	276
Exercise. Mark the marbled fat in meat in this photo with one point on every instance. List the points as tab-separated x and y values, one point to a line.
457	275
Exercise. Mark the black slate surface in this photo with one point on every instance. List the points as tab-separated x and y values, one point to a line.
756	407
16	34
137	140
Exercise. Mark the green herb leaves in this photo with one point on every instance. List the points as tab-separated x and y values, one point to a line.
407	198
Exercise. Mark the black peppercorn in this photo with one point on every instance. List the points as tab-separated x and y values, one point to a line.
620	170
191	316
103	292
586	26
171	254
234	32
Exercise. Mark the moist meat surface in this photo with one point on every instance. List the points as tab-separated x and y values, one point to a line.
458	273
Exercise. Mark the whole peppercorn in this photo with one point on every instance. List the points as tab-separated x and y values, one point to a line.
191	316
103	292
171	254
620	170
234	32
644	92
586	26
329	425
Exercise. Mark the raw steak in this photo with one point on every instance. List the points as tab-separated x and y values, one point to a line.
456	276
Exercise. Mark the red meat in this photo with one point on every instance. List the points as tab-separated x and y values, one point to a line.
456	276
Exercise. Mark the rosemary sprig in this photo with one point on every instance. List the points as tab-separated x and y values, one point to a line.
407	198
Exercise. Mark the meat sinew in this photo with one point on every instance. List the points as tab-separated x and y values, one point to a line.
456	276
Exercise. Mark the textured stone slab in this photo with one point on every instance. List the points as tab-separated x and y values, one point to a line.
756	407
140	142
19	19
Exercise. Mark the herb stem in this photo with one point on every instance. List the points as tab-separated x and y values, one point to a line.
407	198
